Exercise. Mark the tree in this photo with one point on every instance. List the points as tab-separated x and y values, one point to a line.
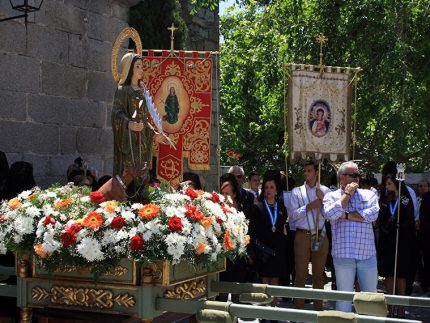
390	40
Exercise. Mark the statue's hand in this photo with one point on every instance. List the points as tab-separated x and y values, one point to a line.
135	126
159	138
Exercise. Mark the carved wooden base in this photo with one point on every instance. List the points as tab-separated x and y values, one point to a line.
25	315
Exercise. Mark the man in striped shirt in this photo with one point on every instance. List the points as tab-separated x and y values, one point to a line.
351	212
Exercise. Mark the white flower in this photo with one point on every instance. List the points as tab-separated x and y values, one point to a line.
89	248
50	244
24	195
128	215
109	237
136	206
2	248
51	194
32	211
23	225
122	234
85	199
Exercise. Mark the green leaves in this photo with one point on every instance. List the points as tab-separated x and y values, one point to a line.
389	40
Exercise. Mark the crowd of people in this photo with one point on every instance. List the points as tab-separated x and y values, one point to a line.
349	229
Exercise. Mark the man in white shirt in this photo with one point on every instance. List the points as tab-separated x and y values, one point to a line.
310	241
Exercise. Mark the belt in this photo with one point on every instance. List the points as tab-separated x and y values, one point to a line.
306	231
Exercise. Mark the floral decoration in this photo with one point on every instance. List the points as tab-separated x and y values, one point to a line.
69	225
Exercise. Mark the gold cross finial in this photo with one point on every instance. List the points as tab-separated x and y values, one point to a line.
321	39
172	29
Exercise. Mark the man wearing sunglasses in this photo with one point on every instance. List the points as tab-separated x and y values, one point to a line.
351	212
246	197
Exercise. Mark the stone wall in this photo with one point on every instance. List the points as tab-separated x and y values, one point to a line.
203	34
56	86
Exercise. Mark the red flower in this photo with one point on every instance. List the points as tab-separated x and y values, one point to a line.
175	224
48	220
230	153
74	228
225	210
215	197
191	193
97	197
2	218
219	221
193	213
117	222
136	243
68	238
238	156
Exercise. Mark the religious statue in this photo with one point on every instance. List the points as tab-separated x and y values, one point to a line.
132	133
171	107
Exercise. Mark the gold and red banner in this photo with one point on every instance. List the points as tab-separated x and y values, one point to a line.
181	87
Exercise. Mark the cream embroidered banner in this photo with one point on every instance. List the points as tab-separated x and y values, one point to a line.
319	112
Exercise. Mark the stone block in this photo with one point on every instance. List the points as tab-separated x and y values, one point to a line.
60	110
41	164
99	55
117	26
26	80
108	111
99	27
94	141
210	45
107	166
83	4
13	36
213	34
12	106
102	7
119	11
78	50
40	44
59	165
14	157
28	137
63	16
68	140
6	10
63	80
101	86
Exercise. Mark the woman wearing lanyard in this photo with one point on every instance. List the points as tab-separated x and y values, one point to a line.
387	221
270	218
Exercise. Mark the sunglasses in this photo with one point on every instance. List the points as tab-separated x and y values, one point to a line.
353	175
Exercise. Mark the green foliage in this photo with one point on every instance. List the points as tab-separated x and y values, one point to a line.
390	40
151	18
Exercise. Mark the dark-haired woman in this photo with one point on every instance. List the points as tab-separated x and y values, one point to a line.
390	203
270	217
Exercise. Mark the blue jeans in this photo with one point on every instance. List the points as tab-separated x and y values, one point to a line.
346	269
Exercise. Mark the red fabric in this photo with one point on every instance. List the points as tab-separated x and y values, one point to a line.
191	78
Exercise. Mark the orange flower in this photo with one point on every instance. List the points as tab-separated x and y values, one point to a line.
200	192
93	220
200	249
111	206
228	244
206	221
32	196
39	251
63	203
247	239
14	203
149	211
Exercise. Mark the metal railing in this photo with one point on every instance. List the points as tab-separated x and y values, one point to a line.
296	292
261	312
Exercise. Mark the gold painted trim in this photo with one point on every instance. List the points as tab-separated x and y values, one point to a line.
187	290
124	34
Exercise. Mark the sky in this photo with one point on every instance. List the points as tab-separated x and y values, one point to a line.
224	4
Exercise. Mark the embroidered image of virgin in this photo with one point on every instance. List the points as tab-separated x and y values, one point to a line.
171	106
319	118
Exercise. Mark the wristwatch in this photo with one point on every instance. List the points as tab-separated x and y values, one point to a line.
346	215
